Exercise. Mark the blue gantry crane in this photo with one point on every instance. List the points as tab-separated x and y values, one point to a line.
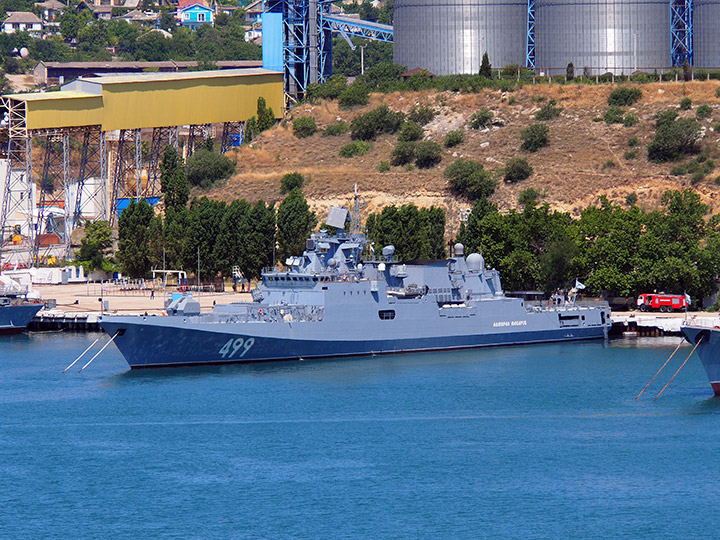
297	39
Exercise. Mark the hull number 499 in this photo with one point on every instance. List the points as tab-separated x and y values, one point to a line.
235	346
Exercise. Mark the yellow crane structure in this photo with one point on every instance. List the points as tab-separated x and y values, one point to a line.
91	136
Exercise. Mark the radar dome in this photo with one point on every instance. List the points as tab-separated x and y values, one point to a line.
459	249
475	262
332	263
24	52
388	251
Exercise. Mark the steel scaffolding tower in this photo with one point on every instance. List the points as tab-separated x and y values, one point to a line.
91	196
17	197
681	32
530	59
54	192
161	138
307	27
230	130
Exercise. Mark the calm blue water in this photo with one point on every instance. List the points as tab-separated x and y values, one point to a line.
528	442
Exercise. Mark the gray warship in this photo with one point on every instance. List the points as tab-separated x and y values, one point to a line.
16	309
339	300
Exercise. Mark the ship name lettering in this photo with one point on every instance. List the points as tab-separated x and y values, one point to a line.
500	324
232	346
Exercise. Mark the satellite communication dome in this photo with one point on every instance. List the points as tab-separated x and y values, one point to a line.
475	262
24	52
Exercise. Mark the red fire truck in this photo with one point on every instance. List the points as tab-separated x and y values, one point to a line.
663	302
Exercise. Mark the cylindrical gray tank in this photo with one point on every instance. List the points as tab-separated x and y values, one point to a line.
450	36
619	36
706	43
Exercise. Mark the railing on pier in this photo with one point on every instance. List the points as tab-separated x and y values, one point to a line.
533	306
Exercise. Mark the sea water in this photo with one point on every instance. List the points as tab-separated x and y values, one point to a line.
515	442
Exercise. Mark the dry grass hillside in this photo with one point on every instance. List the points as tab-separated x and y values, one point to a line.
571	172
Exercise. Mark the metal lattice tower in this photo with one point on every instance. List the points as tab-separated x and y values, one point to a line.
162	137
54	192
17	197
681	32
231	129
91	188
530	58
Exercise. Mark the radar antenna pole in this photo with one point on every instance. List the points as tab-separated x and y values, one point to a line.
358	204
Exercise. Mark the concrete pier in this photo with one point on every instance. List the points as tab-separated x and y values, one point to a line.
78	306
657	324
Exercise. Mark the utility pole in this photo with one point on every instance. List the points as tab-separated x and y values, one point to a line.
198	273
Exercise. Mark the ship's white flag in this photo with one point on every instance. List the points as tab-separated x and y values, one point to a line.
579	286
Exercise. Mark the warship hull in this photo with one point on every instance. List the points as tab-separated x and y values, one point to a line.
15	318
708	350
174	341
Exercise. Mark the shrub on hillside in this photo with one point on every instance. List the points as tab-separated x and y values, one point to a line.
454	138
630	119
534	137
481	119
205	167
403	153
291	181
427	154
330	89
355	94
304	127
633	142
422	114
338	128
410	131
665	117
528	196
380	120
675	139
614	115
356	148
704	111
624	97
685	104
469	179
383	166
517	169
548	111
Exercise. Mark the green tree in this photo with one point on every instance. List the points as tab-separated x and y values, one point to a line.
205	217
153	47
291	181
265	115
133	241
230	247
205	167
295	221
95	245
485	67
259	234
173	183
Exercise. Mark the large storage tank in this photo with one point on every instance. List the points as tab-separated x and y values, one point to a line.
619	36
706	43
450	36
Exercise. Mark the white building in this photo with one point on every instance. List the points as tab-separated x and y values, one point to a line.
22	21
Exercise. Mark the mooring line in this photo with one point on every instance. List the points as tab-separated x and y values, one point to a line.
83	354
101	350
678	370
658	373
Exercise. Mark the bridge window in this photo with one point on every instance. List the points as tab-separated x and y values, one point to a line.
386	314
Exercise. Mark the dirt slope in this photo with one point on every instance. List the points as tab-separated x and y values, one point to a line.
571	172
